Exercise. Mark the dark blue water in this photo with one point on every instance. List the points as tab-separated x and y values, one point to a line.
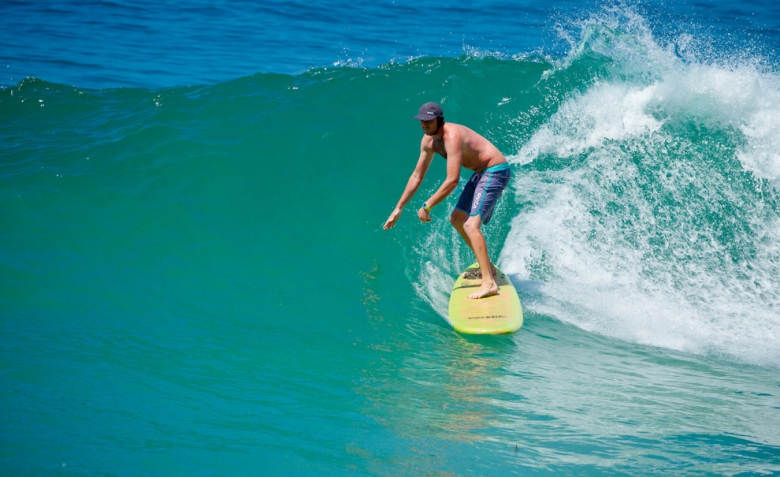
154	44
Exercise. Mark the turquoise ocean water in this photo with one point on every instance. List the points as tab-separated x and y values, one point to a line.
194	279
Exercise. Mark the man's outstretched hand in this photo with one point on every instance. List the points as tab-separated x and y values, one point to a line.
392	219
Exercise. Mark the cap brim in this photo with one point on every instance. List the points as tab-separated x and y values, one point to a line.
425	117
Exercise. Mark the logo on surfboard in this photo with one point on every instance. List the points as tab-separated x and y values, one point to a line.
488	317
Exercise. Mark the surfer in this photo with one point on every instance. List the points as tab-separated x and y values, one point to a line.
460	147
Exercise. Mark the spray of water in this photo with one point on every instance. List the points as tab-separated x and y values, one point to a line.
652	192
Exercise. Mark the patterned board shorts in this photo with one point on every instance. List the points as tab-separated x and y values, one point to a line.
482	191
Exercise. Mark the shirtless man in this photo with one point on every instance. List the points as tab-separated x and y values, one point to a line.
461	147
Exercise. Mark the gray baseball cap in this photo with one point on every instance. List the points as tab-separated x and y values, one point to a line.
430	111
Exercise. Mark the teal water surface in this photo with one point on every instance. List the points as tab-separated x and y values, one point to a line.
195	279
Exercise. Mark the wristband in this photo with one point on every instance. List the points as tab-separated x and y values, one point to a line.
425	206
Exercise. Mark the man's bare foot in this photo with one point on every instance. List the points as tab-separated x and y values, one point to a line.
476	274
485	290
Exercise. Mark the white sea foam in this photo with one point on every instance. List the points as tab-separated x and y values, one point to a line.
647	235
440	263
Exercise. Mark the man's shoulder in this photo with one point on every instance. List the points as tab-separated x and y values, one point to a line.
427	141
456	130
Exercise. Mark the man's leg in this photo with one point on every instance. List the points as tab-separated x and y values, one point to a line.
458	219
472	229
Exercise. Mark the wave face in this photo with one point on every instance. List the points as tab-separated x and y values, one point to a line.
644	204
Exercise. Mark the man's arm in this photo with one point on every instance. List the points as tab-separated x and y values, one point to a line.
426	155
453	144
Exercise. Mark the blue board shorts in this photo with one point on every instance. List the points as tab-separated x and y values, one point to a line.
482	191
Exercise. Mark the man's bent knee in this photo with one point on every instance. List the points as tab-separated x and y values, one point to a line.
457	218
472	224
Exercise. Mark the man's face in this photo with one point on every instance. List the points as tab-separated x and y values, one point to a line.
429	126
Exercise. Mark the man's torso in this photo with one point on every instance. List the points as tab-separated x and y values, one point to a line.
477	153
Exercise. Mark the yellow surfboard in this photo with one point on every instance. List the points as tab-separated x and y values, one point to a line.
496	314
